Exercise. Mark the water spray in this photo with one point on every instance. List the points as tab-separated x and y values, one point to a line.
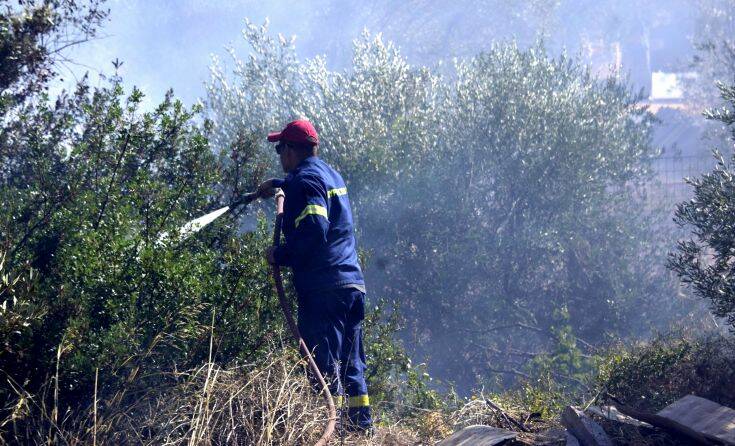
196	225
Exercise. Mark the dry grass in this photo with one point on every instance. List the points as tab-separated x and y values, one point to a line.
272	402
269	403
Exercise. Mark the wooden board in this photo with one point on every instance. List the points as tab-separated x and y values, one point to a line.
584	428
478	436
704	416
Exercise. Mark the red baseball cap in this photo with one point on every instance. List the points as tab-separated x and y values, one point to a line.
299	131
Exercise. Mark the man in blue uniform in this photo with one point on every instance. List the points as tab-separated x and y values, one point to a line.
320	250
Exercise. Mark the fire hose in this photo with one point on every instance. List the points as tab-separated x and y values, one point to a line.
278	280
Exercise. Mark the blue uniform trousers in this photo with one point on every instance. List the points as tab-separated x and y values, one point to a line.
331	324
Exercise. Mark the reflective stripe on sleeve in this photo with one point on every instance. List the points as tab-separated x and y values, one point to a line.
336	192
358	401
311	209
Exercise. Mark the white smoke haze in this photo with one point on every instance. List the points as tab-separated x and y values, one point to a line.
168	43
503	196
395	87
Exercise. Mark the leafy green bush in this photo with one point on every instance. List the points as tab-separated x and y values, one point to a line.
650	376
86	207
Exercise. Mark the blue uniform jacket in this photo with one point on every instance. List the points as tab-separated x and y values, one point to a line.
317	224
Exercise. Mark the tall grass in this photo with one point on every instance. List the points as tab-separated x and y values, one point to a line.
268	403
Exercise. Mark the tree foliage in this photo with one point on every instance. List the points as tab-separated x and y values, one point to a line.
85	204
714	60
88	184
705	261
33	37
499	197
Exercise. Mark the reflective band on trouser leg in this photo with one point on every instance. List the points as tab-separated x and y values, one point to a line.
311	209
338	401
336	192
358	401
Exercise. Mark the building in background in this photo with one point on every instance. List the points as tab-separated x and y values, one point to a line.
654	54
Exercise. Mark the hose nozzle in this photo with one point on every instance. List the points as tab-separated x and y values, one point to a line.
245	199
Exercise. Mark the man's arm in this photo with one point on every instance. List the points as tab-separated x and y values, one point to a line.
267	188
311	225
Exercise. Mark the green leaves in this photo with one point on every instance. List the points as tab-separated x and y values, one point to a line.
491	193
88	222
705	261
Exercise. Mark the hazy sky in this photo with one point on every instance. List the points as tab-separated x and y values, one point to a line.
169	43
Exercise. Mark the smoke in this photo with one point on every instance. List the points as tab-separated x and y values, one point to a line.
168	44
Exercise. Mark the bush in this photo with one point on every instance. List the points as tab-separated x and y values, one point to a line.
652	375
84	208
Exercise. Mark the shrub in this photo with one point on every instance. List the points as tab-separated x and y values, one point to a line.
650	376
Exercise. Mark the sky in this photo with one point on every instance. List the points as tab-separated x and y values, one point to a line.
169	43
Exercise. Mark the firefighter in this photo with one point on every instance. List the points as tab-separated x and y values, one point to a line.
320	250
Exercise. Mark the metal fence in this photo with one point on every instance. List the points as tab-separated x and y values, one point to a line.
669	186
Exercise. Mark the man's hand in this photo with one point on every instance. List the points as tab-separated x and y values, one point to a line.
266	189
269	255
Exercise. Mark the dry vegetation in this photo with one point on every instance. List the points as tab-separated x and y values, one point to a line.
272	402
268	403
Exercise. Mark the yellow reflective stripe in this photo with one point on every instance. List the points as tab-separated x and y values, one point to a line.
336	192
353	401
311	209
358	401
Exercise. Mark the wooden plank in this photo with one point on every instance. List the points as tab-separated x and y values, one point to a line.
581	426
478	435
704	416
676	429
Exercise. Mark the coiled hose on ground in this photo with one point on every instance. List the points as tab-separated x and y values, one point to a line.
278	280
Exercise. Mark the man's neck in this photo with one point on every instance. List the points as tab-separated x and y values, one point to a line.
300	161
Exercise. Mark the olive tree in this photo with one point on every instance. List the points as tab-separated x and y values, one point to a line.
705	261
499	198
373	119
526	233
